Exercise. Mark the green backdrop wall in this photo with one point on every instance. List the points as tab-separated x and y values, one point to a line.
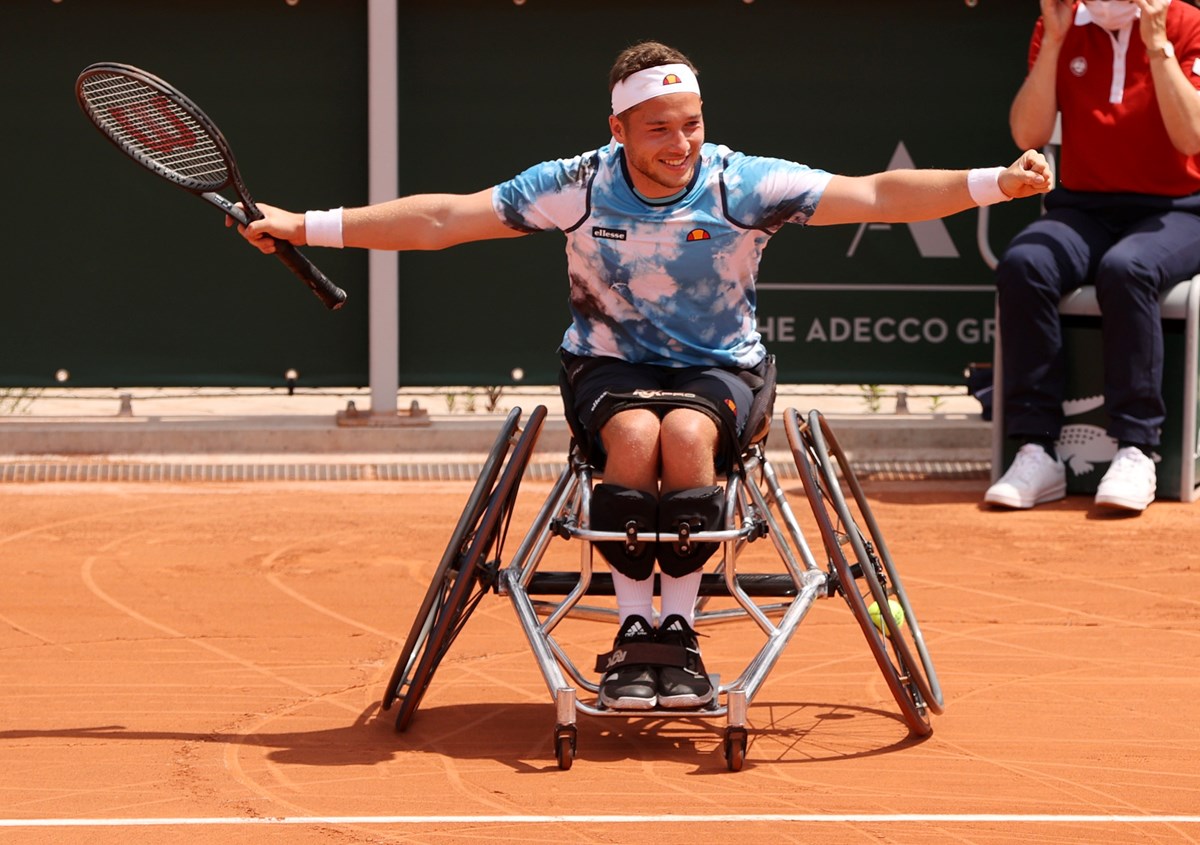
122	279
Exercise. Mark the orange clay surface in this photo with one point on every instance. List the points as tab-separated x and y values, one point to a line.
198	657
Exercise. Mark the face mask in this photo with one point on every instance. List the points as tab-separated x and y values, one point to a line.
1112	14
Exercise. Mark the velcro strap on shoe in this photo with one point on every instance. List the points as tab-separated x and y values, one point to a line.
642	654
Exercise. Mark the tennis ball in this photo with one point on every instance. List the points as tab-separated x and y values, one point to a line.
877	617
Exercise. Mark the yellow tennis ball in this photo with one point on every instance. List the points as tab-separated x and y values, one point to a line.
877	617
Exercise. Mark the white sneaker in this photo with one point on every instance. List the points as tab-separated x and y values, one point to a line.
1033	479
1130	481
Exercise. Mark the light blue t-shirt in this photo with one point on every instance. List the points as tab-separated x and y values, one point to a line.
670	284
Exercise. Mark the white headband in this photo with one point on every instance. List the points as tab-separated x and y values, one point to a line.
653	82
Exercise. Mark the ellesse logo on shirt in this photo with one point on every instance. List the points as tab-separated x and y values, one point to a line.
608	234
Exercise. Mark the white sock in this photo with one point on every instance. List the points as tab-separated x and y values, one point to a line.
634	598
679	595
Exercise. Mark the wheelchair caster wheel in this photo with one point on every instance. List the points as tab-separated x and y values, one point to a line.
564	745
735	748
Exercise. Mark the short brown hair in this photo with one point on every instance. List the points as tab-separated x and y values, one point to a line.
643	55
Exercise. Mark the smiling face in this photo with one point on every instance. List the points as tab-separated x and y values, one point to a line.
662	139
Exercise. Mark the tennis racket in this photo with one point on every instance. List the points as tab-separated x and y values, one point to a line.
164	131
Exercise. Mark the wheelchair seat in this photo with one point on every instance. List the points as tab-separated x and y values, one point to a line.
762	381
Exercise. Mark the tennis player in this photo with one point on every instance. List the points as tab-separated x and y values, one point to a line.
664	234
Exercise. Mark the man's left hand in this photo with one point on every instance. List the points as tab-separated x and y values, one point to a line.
1027	176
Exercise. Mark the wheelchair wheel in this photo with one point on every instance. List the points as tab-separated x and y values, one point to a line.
733	747
862	570
468	567
565	739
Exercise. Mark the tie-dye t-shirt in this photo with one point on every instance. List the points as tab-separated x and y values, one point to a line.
670	284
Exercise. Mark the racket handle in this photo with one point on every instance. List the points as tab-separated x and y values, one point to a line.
326	291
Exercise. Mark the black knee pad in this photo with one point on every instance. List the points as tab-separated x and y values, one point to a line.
616	508
699	509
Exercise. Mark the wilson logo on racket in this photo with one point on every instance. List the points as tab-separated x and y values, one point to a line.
137	121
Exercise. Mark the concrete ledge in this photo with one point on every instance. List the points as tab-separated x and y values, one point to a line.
912	438
277	435
863	437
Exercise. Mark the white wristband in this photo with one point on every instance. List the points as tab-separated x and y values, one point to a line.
984	185
323	228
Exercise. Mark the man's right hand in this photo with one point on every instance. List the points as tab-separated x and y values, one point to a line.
276	223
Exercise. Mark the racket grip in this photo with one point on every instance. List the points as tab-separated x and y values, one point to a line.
326	291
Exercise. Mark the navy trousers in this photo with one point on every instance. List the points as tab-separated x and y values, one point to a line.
1131	247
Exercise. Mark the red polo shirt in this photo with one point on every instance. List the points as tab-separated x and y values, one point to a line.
1121	146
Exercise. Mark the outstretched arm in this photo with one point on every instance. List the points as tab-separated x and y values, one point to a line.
906	196
422	221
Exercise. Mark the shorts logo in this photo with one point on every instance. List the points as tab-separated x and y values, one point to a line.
698	235
1078	66
671	79
662	394
608	234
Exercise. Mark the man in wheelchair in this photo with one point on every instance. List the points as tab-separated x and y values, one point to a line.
661	433
664	234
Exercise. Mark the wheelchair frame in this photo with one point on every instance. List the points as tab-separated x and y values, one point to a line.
857	566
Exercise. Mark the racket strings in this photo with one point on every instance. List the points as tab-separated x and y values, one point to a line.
150	126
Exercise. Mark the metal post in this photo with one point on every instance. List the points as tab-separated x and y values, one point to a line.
383	169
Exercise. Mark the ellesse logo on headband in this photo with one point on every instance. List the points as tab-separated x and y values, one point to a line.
671	79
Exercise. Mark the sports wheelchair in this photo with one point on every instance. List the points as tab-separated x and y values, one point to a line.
856	565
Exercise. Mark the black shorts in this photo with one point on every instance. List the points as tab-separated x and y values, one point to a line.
723	392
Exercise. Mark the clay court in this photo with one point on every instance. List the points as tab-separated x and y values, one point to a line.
209	658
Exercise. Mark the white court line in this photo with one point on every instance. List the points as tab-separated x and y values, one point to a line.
856	818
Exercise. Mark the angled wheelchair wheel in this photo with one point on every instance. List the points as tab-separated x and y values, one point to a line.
862	570
468	567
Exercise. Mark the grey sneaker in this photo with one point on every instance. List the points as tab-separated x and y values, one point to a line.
624	685
1130	481
686	686
1034	478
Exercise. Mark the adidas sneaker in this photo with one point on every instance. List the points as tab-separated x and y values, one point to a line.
686	686
628	686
